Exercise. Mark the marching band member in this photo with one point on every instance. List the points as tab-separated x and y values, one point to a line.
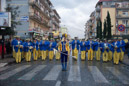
38	44
75	47
96	47
52	45
89	45
122	47
44	45
18	49
35	49
63	48
57	48
83	49
110	50
12	43
28	47
105	51
117	51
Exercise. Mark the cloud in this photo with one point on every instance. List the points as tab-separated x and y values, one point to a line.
74	14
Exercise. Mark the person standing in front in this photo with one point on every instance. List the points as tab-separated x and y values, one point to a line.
64	48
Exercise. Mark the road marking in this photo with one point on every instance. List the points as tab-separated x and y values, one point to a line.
58	83
119	75
3	68
97	75
3	64
53	74
32	73
74	74
13	72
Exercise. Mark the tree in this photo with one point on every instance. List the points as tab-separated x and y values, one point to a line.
109	32
14	14
105	29
101	35
99	29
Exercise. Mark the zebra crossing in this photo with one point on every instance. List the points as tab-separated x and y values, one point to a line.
74	74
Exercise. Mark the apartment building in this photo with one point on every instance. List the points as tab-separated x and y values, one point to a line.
119	13
35	17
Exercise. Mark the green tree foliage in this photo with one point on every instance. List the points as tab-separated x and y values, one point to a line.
109	35
14	14
105	29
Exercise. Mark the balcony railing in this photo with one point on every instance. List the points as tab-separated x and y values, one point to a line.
35	17
122	17
36	4
38	7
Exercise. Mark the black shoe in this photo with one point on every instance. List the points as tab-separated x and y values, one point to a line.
63	69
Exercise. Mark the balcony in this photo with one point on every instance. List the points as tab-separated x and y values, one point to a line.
35	17
35	4
122	6
122	17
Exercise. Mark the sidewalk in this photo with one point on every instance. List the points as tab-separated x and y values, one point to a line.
8	59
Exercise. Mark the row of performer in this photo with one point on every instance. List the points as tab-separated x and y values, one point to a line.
109	49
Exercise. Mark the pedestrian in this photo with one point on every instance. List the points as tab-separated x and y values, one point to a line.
52	45
35	50
12	43
18	49
116	56
106	51
83	49
63	48
75	47
110	50
89	45
57	48
96	49
122	47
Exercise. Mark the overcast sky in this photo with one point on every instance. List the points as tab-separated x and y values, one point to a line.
74	14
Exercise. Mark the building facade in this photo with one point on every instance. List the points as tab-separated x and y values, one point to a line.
119	13
35	17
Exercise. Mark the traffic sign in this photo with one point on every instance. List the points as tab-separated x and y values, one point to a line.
121	28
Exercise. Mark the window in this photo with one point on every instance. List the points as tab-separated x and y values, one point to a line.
126	31
125	22
125	13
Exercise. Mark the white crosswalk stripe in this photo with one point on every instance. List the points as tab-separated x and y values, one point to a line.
119	75
97	75
3	68
32	73
74	74
54	73
13	72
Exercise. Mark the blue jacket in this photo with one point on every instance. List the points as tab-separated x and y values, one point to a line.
27	45
118	46
103	47
122	45
83	47
88	45
96	46
75	45
15	45
36	45
111	47
44	46
52	46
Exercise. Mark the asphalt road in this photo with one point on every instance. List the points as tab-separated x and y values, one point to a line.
79	73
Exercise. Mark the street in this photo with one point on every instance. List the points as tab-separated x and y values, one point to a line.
79	73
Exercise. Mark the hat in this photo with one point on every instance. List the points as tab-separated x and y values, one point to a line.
43	38
109	40
120	38
115	37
